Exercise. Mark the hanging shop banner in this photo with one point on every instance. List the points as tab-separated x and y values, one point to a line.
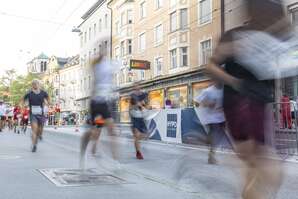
139	64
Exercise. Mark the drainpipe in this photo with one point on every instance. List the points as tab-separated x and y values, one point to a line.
222	11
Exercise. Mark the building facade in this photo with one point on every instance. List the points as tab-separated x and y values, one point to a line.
38	65
51	78
176	37
95	37
69	86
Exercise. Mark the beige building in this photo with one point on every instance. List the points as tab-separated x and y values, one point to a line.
51	77
175	36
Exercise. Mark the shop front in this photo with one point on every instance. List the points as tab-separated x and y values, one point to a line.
156	99
124	109
178	96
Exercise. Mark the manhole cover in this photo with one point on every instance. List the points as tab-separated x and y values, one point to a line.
78	177
9	157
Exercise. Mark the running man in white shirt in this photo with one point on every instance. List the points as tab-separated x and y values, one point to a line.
2	115
211	115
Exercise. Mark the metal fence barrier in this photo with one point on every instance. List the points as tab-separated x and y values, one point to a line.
285	134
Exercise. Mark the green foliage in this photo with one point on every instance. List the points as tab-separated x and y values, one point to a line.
15	86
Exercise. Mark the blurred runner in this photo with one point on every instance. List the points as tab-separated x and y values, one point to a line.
37	98
2	115
211	115
16	118
246	97
9	117
25	118
139	129
100	110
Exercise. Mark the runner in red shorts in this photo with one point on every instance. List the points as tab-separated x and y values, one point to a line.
25	118
16	118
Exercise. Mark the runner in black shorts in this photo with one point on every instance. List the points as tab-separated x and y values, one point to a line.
139	129
100	113
36	98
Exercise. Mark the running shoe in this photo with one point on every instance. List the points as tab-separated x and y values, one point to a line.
139	155
34	148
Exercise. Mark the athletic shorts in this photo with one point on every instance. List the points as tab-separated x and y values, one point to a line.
139	124
99	108
39	119
25	121
3	118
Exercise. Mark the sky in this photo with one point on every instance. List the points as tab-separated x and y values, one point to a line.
29	27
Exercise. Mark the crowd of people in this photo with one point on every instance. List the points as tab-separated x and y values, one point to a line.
14	118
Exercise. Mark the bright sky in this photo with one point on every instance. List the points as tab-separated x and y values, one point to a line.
29	27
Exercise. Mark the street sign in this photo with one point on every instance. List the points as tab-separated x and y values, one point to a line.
139	64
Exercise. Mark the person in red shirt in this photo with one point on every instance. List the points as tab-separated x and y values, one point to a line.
25	118
16	118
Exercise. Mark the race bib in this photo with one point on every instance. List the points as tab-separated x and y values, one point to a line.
36	110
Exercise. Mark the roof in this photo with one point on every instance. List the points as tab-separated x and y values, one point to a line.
62	61
92	9
42	56
75	60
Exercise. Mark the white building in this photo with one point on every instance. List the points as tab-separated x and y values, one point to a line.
95	36
70	87
38	65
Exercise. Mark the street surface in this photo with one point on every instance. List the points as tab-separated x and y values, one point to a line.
168	170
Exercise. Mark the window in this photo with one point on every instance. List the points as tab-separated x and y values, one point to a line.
85	60
205	51
142	74
129	16
99	48
129	46
117	53
183	19
143	10
106	20
158	66
122	18
106	46
89	82
184	56
142	42
122	47
158	4
294	16
173	57
85	37
100	25
89	34
117	28
82	40
90	55
173	21
94	29
205	11
158	34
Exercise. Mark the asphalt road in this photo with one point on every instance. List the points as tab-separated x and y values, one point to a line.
167	170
